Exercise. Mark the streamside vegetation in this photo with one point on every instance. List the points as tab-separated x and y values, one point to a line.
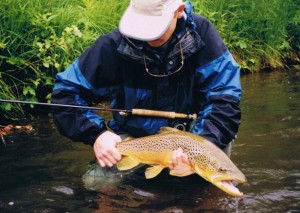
39	38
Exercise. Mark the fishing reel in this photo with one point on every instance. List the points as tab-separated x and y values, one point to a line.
181	124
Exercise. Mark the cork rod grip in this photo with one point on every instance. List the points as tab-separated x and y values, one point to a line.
155	113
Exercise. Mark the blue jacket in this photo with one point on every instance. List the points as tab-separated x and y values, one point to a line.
113	69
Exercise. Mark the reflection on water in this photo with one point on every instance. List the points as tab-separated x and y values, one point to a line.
42	171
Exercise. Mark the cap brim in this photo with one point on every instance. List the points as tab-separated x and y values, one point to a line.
142	27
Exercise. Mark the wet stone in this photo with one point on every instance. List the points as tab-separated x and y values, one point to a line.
64	190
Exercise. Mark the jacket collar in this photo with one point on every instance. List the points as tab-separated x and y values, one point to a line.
190	41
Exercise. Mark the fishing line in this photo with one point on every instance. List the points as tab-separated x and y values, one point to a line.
123	112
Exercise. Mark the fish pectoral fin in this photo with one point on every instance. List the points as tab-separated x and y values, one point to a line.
153	171
181	170
127	163
201	173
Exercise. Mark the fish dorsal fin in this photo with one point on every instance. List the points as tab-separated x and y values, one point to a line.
127	139
127	163
181	170
153	171
167	129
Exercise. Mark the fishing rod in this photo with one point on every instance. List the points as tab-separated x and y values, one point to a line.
124	112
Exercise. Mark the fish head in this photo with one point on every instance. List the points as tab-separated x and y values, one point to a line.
221	173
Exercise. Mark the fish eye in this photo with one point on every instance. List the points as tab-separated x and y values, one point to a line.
221	169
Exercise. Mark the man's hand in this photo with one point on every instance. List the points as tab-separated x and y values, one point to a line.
105	149
178	157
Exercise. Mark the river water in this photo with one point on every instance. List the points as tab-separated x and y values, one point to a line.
45	172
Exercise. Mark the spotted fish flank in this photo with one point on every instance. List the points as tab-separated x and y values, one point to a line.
205	158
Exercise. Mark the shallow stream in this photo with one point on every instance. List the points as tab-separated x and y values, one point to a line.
43	171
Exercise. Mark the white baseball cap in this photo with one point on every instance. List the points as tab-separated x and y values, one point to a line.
148	20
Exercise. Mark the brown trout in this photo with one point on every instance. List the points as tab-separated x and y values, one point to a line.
206	159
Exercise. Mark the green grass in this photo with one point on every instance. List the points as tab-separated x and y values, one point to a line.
256	31
39	38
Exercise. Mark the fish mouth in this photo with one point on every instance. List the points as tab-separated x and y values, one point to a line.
229	187
228	183
224	181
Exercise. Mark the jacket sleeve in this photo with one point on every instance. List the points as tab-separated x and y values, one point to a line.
88	80
219	90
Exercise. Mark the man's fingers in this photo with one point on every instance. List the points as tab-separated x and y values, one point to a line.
105	150
109	157
115	154
185	158
178	157
108	160
103	161
108	163
102	164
